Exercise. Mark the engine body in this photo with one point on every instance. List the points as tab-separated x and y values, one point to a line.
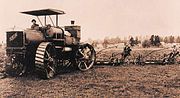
24	43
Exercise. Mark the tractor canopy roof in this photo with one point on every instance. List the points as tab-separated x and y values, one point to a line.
44	12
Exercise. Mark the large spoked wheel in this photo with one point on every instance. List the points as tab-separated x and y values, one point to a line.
87	57
45	60
14	66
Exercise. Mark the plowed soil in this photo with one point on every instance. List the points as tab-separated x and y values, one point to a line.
132	81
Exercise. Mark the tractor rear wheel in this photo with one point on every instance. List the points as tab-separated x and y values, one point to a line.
45	60
87	57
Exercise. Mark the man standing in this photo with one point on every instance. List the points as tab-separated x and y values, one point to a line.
126	52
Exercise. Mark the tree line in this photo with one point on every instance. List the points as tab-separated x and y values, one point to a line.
153	40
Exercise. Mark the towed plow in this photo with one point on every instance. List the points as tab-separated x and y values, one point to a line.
125	57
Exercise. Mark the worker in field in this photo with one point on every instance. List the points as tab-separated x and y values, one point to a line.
174	48
126	52
174	52
171	59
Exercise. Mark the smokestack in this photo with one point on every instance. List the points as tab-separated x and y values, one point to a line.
72	22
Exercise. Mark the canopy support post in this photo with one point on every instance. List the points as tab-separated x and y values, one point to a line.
39	21
45	20
56	20
51	20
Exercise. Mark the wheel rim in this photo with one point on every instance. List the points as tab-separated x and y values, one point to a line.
45	60
87	57
50	61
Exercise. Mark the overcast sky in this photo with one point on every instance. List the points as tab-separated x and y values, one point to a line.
100	18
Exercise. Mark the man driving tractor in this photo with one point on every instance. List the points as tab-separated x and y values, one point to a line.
34	25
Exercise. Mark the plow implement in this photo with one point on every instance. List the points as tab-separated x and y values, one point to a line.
119	59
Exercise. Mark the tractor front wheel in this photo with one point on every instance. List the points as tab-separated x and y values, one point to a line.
14	66
87	57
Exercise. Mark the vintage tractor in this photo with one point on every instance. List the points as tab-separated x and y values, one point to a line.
45	51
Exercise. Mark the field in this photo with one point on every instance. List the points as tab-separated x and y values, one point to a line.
132	81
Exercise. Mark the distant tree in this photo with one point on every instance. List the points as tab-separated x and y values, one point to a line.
171	39
137	41
152	40
118	40
125	40
161	39
157	41
146	43
166	40
94	43
105	42
104	45
132	41
178	39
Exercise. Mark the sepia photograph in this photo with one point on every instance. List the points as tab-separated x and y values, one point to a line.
90	49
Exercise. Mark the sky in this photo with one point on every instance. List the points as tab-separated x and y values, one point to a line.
99	18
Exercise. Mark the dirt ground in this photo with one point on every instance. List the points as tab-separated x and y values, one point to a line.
132	81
